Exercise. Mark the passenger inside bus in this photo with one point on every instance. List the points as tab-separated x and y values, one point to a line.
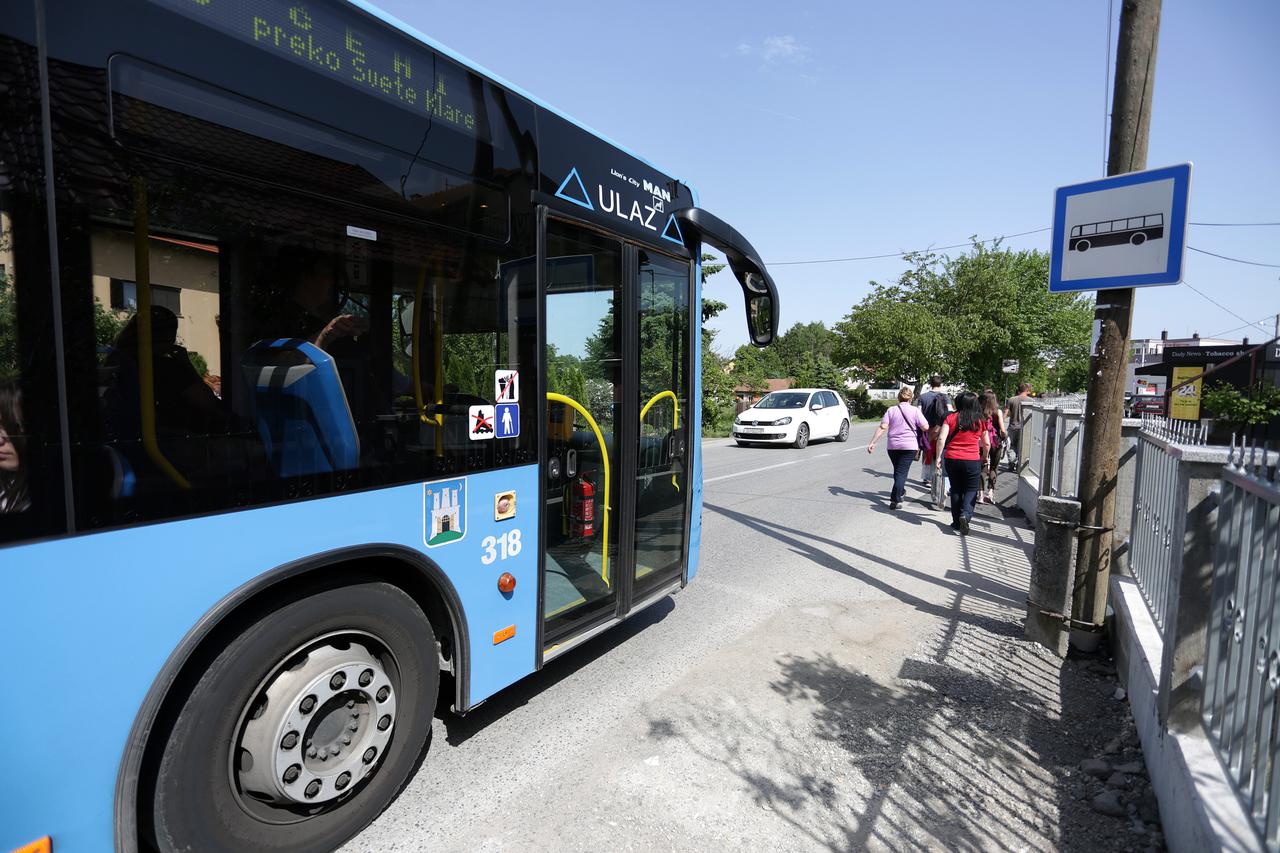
184	404
15	496
307	307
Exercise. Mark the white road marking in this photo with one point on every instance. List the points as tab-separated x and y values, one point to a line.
770	467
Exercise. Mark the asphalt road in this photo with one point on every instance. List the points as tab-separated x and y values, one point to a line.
815	688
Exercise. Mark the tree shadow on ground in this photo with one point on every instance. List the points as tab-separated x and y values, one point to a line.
974	745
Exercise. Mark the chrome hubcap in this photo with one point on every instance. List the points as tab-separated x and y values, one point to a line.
317	727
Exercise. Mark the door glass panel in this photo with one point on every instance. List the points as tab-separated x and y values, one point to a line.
661	466
584	368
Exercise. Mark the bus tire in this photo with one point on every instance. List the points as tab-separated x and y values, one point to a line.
1138	239
358	655
1082	246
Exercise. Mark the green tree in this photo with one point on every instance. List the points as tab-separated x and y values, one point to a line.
198	362
900	332
1005	309
962	316
8	331
717	384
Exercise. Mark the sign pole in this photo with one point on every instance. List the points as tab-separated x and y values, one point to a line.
1104	411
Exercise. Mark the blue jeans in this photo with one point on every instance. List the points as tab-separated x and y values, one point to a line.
902	460
965	476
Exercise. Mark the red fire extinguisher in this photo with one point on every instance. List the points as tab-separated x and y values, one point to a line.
581	499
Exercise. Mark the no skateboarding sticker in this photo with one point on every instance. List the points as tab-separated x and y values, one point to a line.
480	423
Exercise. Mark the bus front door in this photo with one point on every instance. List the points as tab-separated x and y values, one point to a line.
662	464
585	468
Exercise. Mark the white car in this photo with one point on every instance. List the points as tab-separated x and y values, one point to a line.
794	417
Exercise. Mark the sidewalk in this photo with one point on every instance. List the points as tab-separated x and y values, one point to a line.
900	722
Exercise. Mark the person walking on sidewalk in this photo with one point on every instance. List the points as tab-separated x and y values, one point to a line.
906	428
934	405
1013	423
998	438
964	454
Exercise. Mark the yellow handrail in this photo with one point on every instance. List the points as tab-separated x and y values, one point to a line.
438	344
146	366
675	424
656	397
604	455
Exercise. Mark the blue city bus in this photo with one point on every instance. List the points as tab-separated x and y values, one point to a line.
340	382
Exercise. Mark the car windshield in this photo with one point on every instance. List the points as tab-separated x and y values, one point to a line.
783	400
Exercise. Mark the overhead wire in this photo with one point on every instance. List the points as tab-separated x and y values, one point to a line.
905	252
1235	260
1257	325
1219	304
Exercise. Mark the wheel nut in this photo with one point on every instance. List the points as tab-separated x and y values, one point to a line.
384	723
354	725
351	703
312	752
313	788
292	774
308	704
342	781
339	679
324	753
383	693
369	754
346	739
290	741
366	678
336	750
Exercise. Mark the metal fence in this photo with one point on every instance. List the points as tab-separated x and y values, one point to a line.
1242	666
1052	440
1160	507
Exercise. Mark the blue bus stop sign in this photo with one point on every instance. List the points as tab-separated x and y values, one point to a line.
1123	231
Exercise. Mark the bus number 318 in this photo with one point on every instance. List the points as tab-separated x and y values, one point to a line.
501	547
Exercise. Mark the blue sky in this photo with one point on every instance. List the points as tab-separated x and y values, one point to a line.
838	129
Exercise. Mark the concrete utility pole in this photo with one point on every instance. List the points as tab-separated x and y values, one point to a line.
1130	124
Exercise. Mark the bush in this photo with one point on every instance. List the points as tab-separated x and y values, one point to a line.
858	400
1260	406
875	409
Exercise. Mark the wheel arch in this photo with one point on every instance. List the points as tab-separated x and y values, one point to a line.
420	577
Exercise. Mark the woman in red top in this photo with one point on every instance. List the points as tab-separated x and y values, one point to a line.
968	447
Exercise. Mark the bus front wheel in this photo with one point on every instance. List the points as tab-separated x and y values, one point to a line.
303	728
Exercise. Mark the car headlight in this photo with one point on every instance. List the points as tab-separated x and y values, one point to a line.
782	421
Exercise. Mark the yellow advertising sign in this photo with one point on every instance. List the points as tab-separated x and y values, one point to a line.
1185	402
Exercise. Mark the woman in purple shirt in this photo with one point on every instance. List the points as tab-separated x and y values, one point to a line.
906	426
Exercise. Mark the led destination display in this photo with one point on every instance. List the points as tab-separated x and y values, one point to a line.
346	48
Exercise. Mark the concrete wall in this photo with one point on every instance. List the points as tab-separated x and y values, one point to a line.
1199	810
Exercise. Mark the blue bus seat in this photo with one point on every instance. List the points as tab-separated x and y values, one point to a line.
300	408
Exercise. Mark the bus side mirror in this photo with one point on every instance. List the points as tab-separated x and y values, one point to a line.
760	318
